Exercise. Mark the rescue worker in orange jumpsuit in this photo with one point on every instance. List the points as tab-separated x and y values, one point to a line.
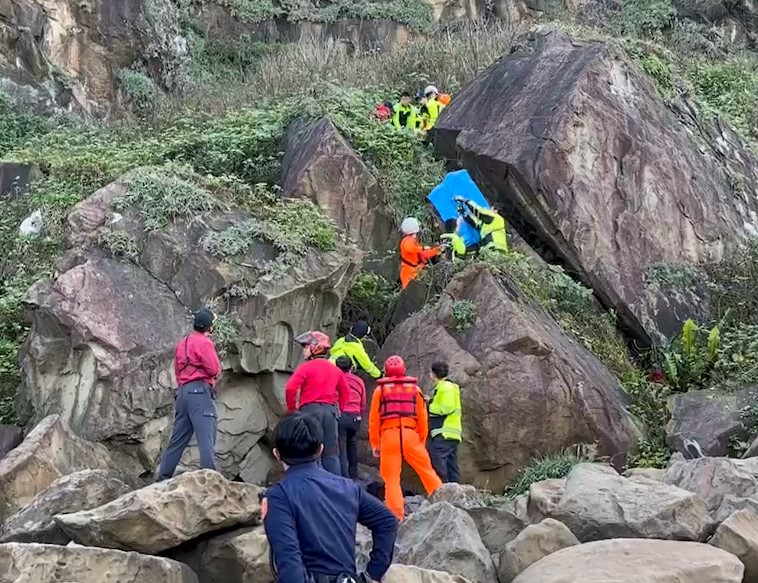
398	426
413	256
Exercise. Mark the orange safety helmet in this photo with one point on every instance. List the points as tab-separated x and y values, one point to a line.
316	342
394	366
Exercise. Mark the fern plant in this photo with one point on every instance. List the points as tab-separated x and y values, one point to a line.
690	358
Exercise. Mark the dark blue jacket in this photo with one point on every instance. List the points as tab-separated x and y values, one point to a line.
311	522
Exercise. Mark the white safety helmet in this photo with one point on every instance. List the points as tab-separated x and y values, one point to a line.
430	89
410	226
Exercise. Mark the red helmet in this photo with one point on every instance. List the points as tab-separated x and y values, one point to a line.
394	366
316	342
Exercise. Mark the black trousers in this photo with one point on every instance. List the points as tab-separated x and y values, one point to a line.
349	425
444	455
327	416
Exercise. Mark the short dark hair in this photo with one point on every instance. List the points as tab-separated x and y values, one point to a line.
405	94
440	370
344	363
298	438
451	225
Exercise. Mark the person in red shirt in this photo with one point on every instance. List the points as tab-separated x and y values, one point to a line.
196	367
318	388
350	418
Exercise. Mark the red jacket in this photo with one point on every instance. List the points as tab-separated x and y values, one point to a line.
356	402
318	381
195	359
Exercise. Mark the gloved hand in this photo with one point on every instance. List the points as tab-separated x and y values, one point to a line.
459	198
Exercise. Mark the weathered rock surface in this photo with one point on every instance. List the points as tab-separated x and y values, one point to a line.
107	368
167	514
411	574
599	504
81	490
88	43
731	504
33	563
636	561
51	450
736	20
712	418
444	537
738	535
646	473
460	495
573	143
712	479
320	165
241	556
544	497
496	526
534	543
564	391
10	438
16	179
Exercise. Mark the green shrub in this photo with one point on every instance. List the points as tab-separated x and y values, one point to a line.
646	17
732	283
648	403
373	299
140	90
689	359
225	336
464	313
119	244
18	125
673	277
543	468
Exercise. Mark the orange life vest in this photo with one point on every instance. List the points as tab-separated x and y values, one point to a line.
398	398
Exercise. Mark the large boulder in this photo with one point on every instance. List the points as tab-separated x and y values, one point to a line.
710	417
534	543
599	504
240	556
544	497
88	43
50	451
78	491
33	563
320	165
738	535
411	574
636	561
712	479
514	365
571	140
10	438
496	526
101	354
167	514
444	537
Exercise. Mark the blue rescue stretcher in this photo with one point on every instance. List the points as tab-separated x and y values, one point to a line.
457	183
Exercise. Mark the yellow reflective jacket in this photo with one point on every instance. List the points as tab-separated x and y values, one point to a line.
457	244
433	108
353	347
492	233
445	411
404	117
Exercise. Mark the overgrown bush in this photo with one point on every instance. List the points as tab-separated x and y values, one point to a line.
373	299
544	468
464	313
141	92
225	336
646	17
17	125
119	244
732	283
689	359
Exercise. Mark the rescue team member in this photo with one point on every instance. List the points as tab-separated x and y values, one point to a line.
398	428
196	367
311	516
432	107
445	431
351	416
452	242
413	256
321	387
352	347
404	113
490	224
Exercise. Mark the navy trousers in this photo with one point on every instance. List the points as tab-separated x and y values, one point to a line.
328	417
349	425
195	412
444	455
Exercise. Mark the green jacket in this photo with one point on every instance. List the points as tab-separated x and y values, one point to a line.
491	227
353	347
445	411
457	244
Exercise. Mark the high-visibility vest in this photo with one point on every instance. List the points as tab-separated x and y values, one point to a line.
397	399
445	411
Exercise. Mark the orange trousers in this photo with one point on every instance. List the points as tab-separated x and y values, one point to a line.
391	466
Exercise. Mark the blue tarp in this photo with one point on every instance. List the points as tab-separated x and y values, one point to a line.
457	183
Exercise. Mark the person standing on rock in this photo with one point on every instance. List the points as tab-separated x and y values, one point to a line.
311	516
318	388
350	419
445	430
196	366
413	256
352	347
398	427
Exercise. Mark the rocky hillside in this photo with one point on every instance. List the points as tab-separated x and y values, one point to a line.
160	156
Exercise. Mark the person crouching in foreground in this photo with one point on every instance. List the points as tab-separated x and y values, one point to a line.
398	427
311	515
